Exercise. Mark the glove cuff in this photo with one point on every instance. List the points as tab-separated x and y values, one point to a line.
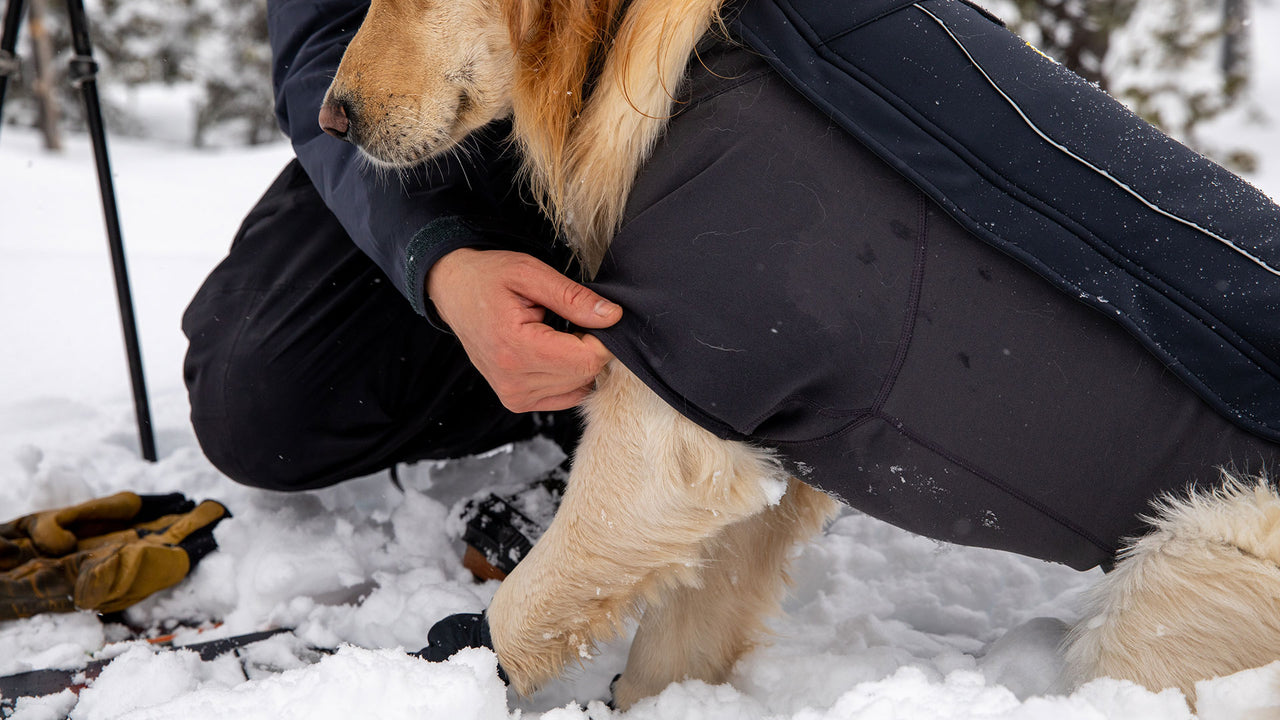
464	630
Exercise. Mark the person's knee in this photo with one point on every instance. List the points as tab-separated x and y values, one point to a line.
256	420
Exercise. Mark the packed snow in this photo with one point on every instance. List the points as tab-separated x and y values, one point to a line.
879	623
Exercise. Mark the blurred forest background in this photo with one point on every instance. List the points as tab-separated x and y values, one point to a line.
1181	64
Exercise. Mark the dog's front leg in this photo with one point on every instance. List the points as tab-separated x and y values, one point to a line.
700	632
647	489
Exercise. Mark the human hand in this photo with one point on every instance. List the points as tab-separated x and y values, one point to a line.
495	302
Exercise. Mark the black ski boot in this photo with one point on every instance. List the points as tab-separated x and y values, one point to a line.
501	529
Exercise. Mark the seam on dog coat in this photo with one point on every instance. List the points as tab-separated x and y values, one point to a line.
786	286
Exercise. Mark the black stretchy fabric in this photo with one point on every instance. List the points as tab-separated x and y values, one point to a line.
1050	169
307	367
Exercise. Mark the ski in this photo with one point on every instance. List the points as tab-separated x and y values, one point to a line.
37	683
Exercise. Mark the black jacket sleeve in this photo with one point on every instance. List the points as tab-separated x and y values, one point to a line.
404	221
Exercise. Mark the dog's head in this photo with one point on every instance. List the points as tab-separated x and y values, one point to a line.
419	76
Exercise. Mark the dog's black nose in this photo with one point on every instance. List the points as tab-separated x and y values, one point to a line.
333	119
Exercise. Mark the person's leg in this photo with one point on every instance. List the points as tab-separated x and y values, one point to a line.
307	367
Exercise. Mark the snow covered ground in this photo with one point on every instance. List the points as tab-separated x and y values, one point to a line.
881	624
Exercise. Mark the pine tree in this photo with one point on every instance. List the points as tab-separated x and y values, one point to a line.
43	78
215	49
233	65
1076	33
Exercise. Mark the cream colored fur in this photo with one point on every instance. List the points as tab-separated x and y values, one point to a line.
699	631
648	494
1196	598
661	517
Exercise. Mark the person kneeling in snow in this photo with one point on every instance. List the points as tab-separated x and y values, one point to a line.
361	321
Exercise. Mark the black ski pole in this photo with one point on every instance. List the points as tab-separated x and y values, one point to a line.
83	71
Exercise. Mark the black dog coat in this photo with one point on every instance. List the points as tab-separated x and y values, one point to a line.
894	278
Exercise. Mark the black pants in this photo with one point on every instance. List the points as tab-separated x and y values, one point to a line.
306	366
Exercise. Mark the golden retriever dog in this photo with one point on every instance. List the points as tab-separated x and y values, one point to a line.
663	519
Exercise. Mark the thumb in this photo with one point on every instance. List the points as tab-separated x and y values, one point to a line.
576	303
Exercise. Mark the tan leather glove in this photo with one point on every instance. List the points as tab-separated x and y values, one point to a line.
103	555
54	533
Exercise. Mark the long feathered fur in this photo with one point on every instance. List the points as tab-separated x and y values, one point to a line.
582	157
1195	598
